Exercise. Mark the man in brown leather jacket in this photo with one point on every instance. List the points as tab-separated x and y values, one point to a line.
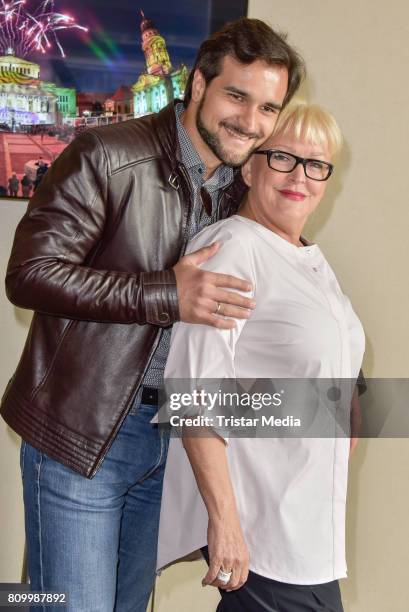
99	258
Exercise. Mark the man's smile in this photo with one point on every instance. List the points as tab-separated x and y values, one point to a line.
238	133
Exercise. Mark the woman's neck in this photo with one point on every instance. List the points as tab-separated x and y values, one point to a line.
292	235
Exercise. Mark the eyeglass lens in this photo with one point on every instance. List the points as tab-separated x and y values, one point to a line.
285	162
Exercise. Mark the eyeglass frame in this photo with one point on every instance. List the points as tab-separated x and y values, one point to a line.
298	160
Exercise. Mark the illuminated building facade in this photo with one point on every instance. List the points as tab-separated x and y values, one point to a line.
66	99
26	100
160	83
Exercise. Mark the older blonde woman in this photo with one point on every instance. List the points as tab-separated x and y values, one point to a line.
273	506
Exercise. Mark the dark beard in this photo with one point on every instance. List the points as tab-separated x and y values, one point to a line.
214	144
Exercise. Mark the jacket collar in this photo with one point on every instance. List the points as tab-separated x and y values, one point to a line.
165	124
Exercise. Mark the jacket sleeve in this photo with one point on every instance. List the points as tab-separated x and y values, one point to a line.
49	269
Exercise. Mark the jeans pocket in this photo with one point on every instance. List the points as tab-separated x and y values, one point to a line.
147	411
22	455
136	402
134	409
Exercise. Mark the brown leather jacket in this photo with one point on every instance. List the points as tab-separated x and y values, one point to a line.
93	257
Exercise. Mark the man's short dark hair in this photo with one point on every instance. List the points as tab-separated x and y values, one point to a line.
247	40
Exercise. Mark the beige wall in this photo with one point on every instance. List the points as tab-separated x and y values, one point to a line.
357	55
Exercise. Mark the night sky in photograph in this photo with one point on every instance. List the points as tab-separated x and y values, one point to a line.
110	54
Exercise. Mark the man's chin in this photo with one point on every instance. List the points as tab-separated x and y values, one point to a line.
236	160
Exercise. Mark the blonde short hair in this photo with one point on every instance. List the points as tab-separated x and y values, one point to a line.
310	122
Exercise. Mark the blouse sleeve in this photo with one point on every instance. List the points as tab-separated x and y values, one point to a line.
202	351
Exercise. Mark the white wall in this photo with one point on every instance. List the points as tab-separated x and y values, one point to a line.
14	325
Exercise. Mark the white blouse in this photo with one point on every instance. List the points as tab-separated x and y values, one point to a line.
290	492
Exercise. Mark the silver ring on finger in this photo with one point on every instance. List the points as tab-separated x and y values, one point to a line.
224	576
217	311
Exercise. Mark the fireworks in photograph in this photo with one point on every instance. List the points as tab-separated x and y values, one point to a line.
28	26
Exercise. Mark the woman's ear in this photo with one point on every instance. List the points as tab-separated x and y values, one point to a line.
246	172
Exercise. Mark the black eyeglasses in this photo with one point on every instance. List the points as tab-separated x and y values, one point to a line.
282	161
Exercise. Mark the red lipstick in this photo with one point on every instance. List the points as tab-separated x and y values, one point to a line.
297	196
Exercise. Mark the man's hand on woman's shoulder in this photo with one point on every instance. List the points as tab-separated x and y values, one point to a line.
206	297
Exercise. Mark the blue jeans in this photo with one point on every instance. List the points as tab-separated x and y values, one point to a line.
96	540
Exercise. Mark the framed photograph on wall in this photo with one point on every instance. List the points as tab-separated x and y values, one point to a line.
68	65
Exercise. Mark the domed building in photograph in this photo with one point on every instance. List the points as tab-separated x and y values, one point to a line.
25	100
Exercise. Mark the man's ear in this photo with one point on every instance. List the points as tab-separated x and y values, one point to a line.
246	172
198	86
